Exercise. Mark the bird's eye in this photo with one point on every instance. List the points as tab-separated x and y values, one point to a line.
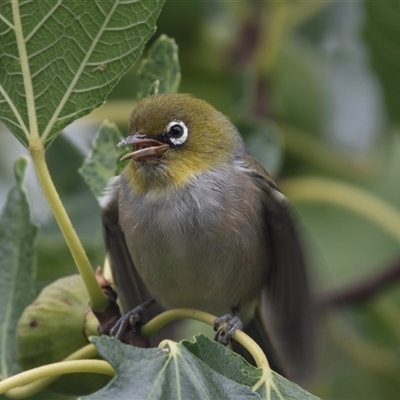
177	132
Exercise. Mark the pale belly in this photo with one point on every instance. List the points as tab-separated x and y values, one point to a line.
191	252
212	277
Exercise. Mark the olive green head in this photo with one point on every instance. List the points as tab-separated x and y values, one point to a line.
174	138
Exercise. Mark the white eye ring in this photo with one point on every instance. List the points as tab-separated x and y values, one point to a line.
177	138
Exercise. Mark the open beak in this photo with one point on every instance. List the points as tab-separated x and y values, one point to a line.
144	149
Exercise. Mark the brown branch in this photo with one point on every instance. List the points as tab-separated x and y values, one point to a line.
247	40
243	54
361	291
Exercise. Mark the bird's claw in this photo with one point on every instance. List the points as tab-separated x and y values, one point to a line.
233	323
131	318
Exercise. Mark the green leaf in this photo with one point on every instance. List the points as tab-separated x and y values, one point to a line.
61	58
17	272
159	72
237	369
240	371
171	372
102	164
289	390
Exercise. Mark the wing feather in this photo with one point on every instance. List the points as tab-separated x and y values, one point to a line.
286	310
131	289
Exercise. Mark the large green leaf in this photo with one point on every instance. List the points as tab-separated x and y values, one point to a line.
17	271
172	372
202	369
60	59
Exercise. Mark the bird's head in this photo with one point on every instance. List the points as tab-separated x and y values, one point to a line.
174	137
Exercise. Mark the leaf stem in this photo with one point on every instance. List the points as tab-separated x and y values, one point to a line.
166	317
153	326
98	299
60	368
346	196
34	387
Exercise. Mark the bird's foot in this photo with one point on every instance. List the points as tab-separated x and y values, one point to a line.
132	319
233	323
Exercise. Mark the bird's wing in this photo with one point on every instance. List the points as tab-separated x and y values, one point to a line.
285	310
130	287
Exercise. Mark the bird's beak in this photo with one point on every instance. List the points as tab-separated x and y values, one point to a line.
144	149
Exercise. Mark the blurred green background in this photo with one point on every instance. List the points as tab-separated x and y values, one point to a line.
315	89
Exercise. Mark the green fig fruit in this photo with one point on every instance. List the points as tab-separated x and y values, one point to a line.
54	326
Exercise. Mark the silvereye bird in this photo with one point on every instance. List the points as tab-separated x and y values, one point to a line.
194	221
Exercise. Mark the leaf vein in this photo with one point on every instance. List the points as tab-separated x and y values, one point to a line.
7	22
44	19
43	49
194	378
120	57
158	378
15	111
78	74
75	113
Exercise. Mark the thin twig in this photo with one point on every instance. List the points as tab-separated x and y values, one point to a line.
363	290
